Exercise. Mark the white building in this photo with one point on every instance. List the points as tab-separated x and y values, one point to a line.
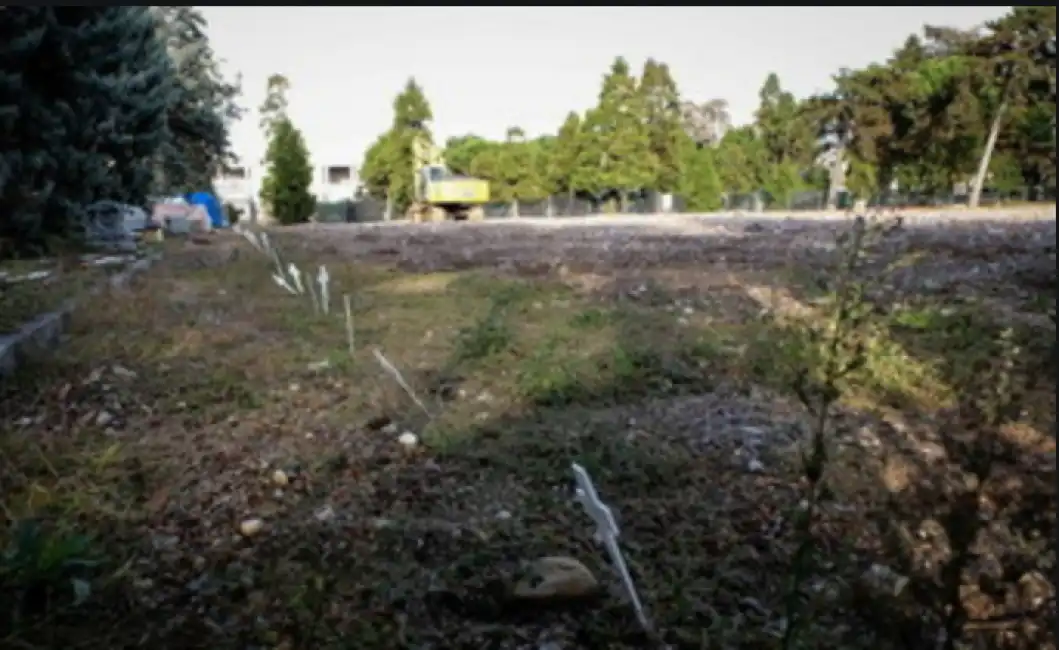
241	186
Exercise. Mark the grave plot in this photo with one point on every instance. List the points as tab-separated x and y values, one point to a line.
366	438
31	288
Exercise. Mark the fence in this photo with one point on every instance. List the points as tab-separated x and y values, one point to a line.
367	210
817	200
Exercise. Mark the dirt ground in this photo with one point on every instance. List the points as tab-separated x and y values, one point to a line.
206	464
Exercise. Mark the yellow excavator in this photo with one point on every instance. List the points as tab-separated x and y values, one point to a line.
439	194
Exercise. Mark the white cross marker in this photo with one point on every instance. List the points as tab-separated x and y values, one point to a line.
252	238
296	277
282	281
607	533
322	278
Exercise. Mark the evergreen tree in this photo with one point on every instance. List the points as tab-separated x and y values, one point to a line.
285	189
788	139
92	92
273	109
517	170
700	184
664	124
543	150
617	139
391	159
561	163
461	151
741	161
375	170
29	129
203	107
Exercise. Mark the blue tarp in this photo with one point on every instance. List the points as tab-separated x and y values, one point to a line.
212	207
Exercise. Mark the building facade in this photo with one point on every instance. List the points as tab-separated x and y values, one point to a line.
240	187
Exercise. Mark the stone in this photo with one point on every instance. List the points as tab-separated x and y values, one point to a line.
555	577
279	477
251	527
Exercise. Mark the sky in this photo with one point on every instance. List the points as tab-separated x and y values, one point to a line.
484	69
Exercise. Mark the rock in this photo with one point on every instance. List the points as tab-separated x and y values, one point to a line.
279	477
164	542
408	439
104	418
123	372
251	527
556	577
389	429
324	514
884	579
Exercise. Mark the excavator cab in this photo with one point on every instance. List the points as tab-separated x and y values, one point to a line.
428	177
439	194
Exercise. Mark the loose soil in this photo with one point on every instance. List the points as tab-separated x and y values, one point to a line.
663	359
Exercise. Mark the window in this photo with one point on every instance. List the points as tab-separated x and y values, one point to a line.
338	174
234	174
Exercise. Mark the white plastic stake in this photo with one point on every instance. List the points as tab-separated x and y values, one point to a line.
607	533
296	277
252	238
323	279
350	332
311	290
396	374
282	282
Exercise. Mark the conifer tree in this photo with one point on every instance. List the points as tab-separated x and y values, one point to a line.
665	127
285	189
617	139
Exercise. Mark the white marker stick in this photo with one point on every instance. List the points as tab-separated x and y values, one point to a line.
396	374
607	533
350	332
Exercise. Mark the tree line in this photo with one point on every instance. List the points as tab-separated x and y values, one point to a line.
109	103
948	107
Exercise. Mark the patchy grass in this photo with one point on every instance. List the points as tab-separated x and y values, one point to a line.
205	396
31	288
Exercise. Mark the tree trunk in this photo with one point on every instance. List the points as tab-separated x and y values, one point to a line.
987	153
623	202
388	213
514	208
549	207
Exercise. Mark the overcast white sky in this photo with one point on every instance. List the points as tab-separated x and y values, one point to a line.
487	68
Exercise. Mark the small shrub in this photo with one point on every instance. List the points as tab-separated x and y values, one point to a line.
40	568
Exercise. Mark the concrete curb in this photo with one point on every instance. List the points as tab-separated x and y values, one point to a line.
45	331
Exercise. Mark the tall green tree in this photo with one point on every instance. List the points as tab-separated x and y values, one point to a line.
286	187
665	127
741	161
565	154
84	99
788	138
390	161
203	106
700	184
1018	54
617	140
460	152
516	170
